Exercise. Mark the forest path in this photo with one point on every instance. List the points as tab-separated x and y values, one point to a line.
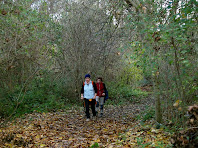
118	128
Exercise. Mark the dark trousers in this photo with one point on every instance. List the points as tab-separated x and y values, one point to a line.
92	103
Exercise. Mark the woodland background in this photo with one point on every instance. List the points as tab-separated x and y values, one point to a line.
47	47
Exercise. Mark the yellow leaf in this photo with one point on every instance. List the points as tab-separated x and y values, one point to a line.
98	140
37	137
60	138
176	104
105	130
154	130
19	135
139	133
183	15
42	145
149	133
10	145
110	146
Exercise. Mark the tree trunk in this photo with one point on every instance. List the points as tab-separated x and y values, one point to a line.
158	112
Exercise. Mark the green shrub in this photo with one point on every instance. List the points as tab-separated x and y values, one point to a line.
148	114
124	94
95	145
41	95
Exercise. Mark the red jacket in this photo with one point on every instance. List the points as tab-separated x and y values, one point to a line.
100	89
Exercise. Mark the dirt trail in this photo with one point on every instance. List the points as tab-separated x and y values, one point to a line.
69	129
126	113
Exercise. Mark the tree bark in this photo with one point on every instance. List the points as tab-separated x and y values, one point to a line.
158	112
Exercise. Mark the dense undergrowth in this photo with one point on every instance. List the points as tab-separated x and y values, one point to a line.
44	96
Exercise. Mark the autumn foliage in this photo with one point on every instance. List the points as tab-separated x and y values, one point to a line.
188	137
69	129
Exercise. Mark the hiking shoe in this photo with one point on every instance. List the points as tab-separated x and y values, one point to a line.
96	113
87	119
94	117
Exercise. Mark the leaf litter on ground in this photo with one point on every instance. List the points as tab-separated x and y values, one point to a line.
118	128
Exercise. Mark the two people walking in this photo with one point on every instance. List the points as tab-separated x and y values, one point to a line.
93	94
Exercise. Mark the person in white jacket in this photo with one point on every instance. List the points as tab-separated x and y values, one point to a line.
88	94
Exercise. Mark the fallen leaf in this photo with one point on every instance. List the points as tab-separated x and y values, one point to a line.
176	104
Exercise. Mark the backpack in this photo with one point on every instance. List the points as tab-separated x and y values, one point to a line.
106	95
